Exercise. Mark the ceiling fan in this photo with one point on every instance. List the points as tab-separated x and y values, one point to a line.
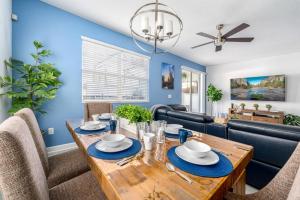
220	39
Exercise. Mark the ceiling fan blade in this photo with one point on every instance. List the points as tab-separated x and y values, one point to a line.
236	30
206	35
218	48
249	39
201	45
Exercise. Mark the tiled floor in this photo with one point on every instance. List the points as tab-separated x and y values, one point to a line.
250	189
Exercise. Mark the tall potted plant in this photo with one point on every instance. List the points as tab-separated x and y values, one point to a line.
214	95
32	84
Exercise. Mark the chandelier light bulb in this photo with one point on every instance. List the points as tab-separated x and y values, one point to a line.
169	28
145	24
160	21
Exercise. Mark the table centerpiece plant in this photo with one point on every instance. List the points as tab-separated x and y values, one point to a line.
133	117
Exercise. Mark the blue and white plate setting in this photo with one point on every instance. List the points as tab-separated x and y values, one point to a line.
114	147
91	128
172	131
105	116
197	158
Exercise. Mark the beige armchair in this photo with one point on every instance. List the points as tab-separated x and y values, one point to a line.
280	187
22	176
58	168
96	108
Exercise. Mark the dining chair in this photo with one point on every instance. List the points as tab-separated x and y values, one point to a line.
22	176
281	184
96	108
57	168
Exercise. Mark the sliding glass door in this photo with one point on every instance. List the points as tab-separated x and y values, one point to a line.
193	89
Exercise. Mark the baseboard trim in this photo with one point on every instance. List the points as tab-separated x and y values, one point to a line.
55	150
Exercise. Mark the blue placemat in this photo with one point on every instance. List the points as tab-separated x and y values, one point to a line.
222	168
134	149
85	132
175	136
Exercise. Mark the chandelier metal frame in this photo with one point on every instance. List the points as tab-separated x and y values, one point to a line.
156	36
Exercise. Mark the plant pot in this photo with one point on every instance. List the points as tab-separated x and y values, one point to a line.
124	123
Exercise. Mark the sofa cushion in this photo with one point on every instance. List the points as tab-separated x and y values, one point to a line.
270	150
178	107
81	187
216	129
268	129
66	166
259	174
190	116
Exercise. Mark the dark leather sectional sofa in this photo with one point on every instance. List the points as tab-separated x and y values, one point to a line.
273	144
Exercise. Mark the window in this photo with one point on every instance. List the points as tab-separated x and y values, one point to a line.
113	74
193	89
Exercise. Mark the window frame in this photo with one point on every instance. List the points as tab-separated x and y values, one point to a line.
147	100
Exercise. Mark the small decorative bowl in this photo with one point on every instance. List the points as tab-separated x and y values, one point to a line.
113	140
197	149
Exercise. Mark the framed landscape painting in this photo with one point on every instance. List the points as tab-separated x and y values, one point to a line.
261	88
167	71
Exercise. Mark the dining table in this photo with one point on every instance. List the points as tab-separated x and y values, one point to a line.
147	176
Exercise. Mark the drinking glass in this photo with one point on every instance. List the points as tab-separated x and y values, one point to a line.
141	129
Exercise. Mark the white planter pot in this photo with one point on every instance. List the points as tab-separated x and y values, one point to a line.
124	123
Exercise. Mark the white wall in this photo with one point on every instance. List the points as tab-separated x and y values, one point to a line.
5	47
289	65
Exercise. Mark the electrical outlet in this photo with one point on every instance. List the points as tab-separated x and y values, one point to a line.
169	96
50	131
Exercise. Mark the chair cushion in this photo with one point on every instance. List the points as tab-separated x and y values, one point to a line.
28	116
66	166
81	187
21	173
295	190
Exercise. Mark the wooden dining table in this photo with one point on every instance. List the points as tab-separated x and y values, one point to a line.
148	176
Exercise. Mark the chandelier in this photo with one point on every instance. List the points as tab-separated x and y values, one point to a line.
157	24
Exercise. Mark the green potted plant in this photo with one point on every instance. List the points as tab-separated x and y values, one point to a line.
133	117
32	84
268	106
243	106
292	120
214	95
256	106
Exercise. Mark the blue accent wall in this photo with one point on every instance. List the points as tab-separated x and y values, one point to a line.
61	32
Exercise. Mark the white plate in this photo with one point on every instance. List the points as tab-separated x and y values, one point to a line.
169	131
211	158
125	145
104	117
96	128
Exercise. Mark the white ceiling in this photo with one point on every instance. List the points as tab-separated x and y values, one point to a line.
275	24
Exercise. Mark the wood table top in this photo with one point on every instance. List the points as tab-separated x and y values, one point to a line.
137	179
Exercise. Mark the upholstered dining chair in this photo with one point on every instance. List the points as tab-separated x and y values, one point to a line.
280	186
58	168
22	175
96	108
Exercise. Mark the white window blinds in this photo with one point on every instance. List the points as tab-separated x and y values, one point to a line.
113	74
